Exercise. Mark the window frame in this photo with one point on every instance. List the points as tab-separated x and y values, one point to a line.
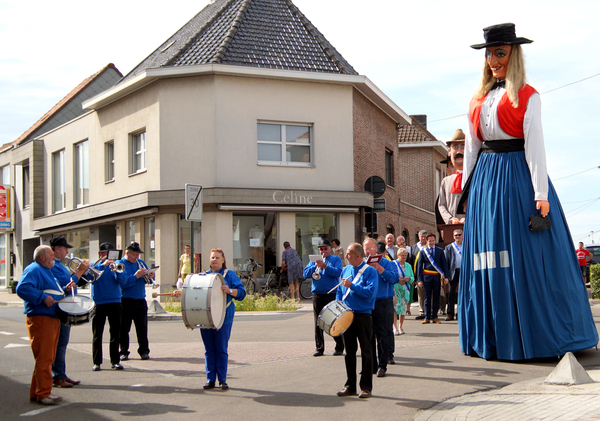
59	182
283	144
134	152
389	167
82	173
109	161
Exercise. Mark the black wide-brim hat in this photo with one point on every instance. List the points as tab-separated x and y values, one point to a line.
502	34
133	246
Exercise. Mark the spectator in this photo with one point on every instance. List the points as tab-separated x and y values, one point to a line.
583	257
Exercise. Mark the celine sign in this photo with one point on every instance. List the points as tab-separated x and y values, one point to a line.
292	198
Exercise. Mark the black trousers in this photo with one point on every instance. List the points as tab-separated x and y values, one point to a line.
453	294
360	330
101	312
137	311
382	340
320	301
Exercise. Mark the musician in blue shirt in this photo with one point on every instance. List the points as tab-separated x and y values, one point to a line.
358	290
329	271
133	302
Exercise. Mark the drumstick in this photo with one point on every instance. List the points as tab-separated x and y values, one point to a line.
335	287
156	294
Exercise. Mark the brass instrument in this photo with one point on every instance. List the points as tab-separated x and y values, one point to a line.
73	266
317	274
148	280
117	267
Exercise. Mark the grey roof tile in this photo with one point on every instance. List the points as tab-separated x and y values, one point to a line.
259	33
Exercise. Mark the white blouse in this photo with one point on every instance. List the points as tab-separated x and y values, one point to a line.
535	153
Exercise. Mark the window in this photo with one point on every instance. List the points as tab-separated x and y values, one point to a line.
5	174
109	157
138	153
149	242
389	168
59	195
82	174
284	144
25	186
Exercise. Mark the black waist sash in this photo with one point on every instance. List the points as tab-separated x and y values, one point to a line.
490	146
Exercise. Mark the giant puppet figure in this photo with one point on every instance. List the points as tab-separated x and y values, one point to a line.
521	294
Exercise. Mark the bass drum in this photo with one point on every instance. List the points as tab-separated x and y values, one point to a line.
203	302
75	310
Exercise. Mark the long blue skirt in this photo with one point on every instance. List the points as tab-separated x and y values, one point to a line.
521	294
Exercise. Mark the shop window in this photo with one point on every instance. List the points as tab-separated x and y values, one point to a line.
284	144
149	242
312	227
185	238
255	236
129	232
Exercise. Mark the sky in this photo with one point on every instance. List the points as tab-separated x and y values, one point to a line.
417	53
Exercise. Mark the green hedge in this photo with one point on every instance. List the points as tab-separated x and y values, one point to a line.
595	280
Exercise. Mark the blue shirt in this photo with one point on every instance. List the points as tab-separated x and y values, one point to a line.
132	287
34	280
330	276
361	298
233	282
387	279
106	289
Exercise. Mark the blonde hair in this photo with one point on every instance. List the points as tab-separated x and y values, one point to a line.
401	250
515	76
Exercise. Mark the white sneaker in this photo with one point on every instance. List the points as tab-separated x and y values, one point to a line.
50	400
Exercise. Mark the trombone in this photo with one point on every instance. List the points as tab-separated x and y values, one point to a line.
73	266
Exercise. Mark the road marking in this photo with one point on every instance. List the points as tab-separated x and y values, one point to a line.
15	346
25	338
137	385
44	409
6	333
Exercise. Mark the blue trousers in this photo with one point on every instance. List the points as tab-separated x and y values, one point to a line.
59	367
215	352
431	285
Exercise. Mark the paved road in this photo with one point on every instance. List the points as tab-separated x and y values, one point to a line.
272	374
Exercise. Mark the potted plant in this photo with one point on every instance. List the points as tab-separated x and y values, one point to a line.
12	284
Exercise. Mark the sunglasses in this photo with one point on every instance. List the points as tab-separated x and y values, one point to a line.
458	235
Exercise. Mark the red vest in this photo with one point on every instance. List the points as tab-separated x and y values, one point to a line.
509	118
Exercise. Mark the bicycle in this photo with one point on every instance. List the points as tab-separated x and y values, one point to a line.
251	284
305	288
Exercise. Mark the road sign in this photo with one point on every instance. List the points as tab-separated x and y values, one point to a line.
375	185
193	202
378	205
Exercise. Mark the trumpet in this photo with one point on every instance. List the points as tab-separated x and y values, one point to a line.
117	267
73	266
148	280
317	275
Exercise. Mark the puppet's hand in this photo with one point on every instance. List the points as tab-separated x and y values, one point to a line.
543	206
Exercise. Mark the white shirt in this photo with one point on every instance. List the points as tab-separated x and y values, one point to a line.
535	153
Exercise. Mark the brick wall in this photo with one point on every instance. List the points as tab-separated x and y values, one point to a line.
374	132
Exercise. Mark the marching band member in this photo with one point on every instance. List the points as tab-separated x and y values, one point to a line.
216	341
60	247
133	302
357	290
40	292
326	275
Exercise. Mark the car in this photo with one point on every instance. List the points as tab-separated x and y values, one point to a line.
595	250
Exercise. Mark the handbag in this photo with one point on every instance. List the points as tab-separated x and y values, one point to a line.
539	223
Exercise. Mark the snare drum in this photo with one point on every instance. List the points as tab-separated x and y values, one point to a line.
335	318
203	302
75	310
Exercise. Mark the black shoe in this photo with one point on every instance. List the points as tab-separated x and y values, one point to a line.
336	353
223	385
346	392
391	360
96	367
381	372
209	385
124	357
145	356
318	354
117	366
420	317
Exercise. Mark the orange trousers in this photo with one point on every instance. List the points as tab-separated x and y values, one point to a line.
43	337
